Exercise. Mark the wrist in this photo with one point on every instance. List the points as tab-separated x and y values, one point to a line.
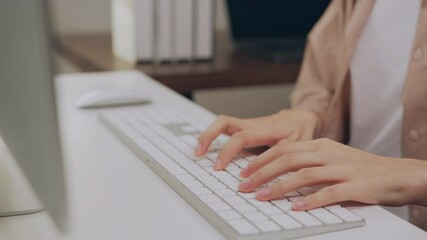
303	120
418	185
314	119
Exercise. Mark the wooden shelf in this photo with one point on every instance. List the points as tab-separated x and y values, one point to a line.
93	53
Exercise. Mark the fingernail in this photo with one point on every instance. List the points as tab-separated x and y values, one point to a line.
264	193
244	173
245	184
218	164
299	204
198	150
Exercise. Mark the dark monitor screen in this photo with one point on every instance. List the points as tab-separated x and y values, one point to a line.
269	19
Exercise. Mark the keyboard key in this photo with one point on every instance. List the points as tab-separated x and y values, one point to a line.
256	217
201	191
185	177
225	193
241	162
222	175
305	218
158	118
251	195
268	226
233	170
345	214
189	129
191	167
270	210
229	215
219	206
148	147
232	183
192	184
162	131
143	119
199	173
169	165
243	227
285	206
209	170
145	131
245	208
215	186
258	203
325	216
235	200
176	171
286	222
207	179
280	201
168	149
190	140
183	147
231	180
205	163
209	198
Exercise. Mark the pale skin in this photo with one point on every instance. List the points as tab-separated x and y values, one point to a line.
348	173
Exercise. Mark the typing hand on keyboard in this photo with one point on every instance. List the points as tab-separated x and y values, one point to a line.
351	174
315	162
165	141
291	125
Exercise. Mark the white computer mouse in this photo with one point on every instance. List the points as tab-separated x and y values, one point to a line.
104	98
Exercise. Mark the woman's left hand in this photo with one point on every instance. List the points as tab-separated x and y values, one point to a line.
350	175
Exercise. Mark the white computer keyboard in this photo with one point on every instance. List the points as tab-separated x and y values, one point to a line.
165	138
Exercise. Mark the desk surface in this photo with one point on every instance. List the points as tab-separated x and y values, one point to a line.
229	68
114	195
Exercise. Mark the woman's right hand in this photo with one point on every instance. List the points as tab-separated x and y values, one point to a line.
292	125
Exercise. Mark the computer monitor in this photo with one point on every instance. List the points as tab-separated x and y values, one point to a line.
28	123
274	29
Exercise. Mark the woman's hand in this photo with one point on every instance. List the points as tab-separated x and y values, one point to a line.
350	175
291	125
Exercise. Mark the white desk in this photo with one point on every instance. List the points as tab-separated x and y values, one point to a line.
113	195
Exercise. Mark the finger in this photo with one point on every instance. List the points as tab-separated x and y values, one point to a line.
238	141
306	177
326	196
263	159
282	148
294	136
271	170
222	124
307	134
284	164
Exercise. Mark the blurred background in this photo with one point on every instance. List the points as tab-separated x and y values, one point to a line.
88	18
